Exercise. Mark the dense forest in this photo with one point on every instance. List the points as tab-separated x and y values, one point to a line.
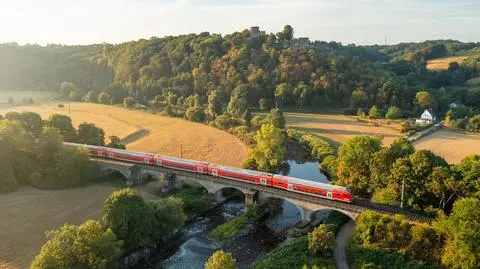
252	67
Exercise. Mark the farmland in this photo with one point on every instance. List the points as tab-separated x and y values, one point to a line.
442	63
153	133
452	146
337	128
29	212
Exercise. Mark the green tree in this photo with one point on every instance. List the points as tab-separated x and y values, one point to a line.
85	246
32	122
215	106
393	113
247	117
354	162
287	32
468	172
221	260
169	215
130	218
105	98
115	142
91	97
90	134
195	113
276	118
462	228
474	124
359	98
64	125
238	101
128	102
66	88
321	241
424	99
443	185
283	94
269	151
373	113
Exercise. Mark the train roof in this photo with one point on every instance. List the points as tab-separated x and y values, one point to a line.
81	145
311	183
130	152
181	160
244	171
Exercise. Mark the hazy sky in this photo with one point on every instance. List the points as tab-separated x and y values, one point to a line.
347	21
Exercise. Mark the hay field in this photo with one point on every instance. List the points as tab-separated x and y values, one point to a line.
442	63
452	146
26	214
337	128
156	134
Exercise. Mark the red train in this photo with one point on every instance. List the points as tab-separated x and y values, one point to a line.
313	188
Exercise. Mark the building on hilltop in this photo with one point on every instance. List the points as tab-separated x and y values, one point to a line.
255	32
427	117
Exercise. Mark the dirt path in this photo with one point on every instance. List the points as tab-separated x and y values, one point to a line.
339	252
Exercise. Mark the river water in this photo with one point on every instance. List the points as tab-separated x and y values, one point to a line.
194	247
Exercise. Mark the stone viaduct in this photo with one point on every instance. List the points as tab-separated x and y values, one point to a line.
136	174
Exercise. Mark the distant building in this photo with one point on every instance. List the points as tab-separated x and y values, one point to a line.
453	105
255	32
427	117
300	43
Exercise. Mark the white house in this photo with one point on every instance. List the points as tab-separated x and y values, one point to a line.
426	117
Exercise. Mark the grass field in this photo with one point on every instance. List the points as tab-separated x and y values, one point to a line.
337	128
156	134
452	146
442	63
26	214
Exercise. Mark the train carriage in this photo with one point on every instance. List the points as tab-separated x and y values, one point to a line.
182	164
318	189
234	173
125	155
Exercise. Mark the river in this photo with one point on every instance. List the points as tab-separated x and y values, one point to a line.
194	247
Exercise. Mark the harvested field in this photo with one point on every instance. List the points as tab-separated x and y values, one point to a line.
452	146
26	215
442	63
152	133
337	128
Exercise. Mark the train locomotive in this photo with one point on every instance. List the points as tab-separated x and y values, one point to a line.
322	190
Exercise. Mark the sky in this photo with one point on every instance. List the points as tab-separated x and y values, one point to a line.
347	21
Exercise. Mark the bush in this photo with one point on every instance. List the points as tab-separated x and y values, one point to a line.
320	149
393	113
193	200
474	124
221	260
196	114
321	241
229	229
292	256
225	122
373	113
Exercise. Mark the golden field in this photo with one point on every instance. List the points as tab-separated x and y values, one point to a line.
442	63
26	214
156	134
337	128
452	146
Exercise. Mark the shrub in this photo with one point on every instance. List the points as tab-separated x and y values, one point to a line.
221	260
225	122
230	228
393	113
128	102
193	201
320	149
321	241
373	113
474	124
